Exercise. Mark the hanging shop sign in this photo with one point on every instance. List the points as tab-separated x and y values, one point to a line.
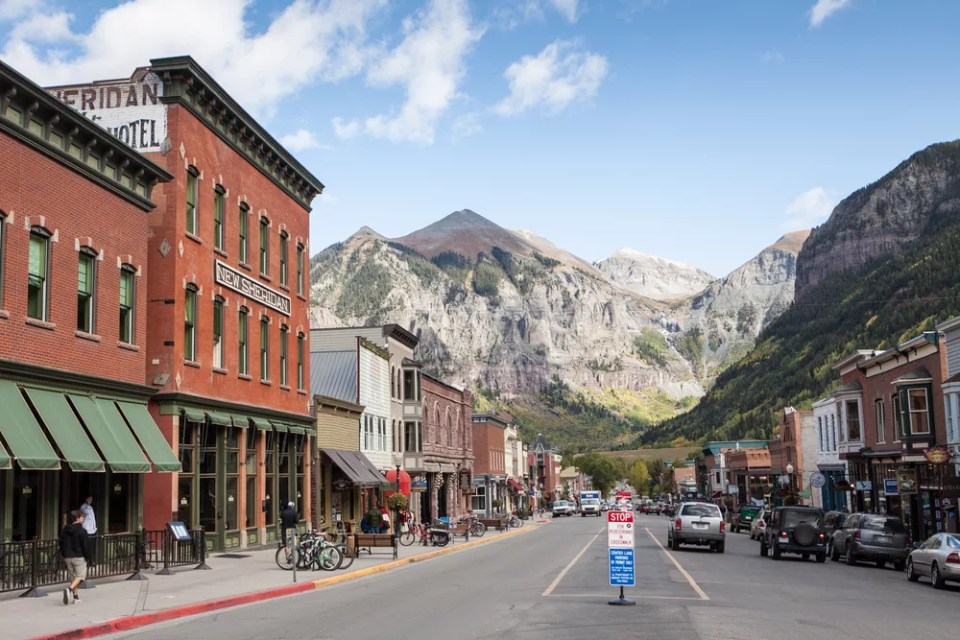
418	485
229	277
906	482
937	455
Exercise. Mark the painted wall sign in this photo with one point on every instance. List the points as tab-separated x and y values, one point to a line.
231	278
937	455
129	109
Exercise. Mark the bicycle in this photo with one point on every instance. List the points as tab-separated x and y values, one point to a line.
514	521
338	539
313	552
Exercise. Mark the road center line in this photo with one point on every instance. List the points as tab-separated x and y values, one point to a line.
556	581
683	572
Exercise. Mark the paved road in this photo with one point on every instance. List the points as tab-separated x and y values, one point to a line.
552	584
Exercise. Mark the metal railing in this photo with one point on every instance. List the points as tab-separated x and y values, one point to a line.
38	563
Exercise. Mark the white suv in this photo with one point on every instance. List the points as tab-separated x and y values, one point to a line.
589	506
562	508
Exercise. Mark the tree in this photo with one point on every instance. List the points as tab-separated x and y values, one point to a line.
603	471
638	475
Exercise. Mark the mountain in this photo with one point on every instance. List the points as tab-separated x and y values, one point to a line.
532	326
883	268
654	277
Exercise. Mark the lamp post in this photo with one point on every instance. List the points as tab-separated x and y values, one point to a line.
790	480
396	515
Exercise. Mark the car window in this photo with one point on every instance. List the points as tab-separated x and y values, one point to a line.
933	542
852	521
881	523
793	518
952	542
708	510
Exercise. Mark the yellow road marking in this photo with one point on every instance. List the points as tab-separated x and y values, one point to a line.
683	572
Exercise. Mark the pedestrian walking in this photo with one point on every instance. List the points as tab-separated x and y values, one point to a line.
90	526
384	520
75	552
288	521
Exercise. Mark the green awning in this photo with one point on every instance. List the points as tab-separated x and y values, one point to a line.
66	430
292	428
5	462
148	433
261	424
279	426
195	415
221	419
111	433
241	421
21	432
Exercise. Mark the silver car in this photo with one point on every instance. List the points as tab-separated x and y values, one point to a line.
699	523
938	558
562	508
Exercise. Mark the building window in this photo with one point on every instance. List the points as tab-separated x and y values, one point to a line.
37	281
300	252
190	324
264	348
479	500
881	423
951	405
3	223
127	299
86	290
411	436
219	195
284	241
820	433
300	346
409	384
264	245
218	332
919	417
244	230
284	333
192	177
853	420
897	418
242	360
832	443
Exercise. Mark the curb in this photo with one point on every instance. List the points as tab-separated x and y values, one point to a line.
127	623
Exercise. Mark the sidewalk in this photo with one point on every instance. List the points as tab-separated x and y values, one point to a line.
115	604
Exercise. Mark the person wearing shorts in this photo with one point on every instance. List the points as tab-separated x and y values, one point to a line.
75	550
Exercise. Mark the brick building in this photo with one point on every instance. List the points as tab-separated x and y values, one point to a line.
226	300
75	209
448	453
489	463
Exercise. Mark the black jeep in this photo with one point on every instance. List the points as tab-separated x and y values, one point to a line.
795	530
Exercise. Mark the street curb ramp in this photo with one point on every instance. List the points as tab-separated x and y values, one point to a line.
126	623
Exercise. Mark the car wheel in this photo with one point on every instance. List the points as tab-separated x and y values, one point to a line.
881	564
763	548
899	565
675	544
720	547
912	574
834	552
776	551
936	578
851	560
822	557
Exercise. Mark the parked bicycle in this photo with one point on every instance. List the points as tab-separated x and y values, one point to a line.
418	532
514	521
313	552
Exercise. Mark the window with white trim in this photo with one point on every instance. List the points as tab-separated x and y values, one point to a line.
264	348
284	242
919	414
218	332
219	196
243	362
897	418
852	414
264	246
86	290
192	223
478	502
38	294
951	402
881	423
244	230
128	296
300	352
300	252
190	323
284	334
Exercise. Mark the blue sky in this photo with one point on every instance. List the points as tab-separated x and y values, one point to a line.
694	130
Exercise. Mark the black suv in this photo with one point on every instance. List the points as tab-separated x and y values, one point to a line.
744	518
795	530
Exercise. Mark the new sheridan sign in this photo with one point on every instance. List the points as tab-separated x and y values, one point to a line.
231	278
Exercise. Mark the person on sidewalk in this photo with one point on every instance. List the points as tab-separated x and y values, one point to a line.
384	519
90	526
75	552
288	521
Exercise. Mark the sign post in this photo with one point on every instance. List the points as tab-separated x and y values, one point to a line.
620	550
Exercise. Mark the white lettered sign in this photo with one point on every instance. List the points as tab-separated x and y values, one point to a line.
232	279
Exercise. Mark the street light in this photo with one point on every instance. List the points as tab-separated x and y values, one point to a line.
790	480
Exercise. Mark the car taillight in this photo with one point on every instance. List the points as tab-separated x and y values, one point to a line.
784	535
677	524
723	526
856	534
953	558
823	536
761	525
909	542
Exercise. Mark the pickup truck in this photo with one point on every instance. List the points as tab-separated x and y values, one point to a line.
699	523
589	506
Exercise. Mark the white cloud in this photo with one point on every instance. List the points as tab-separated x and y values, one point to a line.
771	57
554	78
306	41
429	65
567	8
10	9
300	140
824	9
810	208
46	28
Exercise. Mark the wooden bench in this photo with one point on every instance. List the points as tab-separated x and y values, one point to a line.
369	541
499	523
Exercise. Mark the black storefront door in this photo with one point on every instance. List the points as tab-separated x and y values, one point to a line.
442	497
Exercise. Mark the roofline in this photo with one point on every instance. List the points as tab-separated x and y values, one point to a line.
400	334
337	403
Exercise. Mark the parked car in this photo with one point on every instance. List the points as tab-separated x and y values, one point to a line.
872	536
759	524
589	506
698	523
795	529
744	517
562	508
832	521
938	557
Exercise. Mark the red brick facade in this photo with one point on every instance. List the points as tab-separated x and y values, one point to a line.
448	444
489	455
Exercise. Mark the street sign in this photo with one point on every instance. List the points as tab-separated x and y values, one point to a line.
620	529
817	480
621	568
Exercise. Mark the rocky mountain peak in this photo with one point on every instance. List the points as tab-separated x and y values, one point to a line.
652	276
465	232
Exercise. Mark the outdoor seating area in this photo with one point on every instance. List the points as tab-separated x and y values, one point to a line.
499	522
370	541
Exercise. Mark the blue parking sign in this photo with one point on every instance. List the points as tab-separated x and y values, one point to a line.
621	568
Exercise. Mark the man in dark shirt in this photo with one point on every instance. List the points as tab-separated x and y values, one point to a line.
288	520
75	550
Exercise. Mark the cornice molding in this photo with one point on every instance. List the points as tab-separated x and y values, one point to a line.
57	378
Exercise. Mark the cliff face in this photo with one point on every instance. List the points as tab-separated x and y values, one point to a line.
652	276
880	219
